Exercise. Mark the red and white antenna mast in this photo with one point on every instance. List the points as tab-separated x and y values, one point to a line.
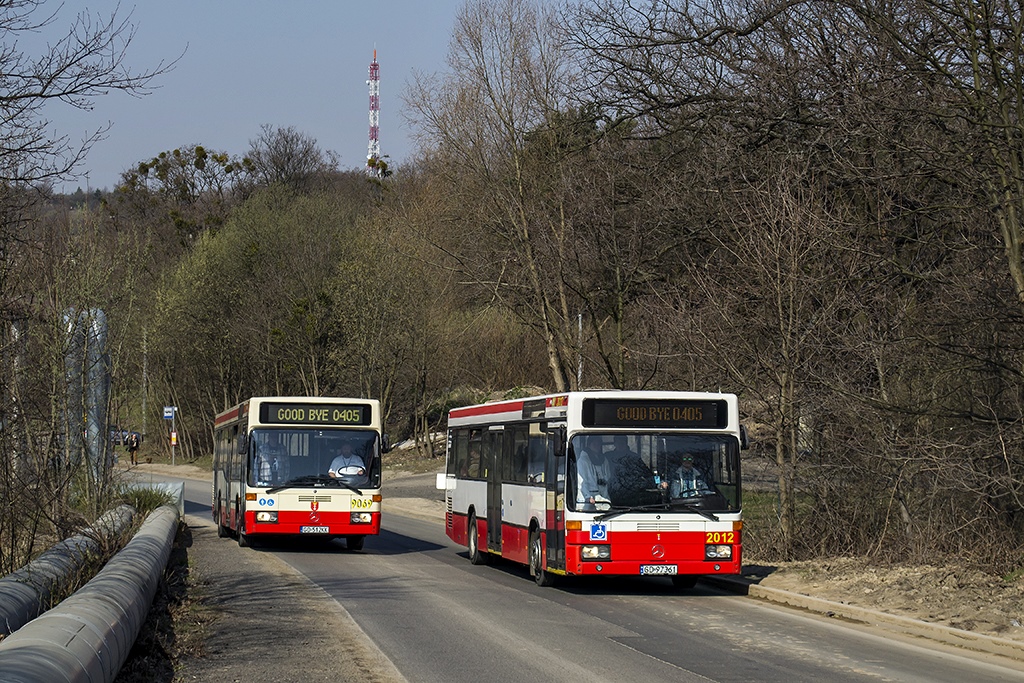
373	152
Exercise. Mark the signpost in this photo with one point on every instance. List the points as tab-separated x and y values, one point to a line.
169	412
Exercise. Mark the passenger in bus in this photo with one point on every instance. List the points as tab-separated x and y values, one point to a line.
592	474
687	481
633	482
347	464
472	467
271	463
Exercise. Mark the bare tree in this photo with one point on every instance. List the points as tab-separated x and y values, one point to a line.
54	266
286	156
966	56
505	82
89	60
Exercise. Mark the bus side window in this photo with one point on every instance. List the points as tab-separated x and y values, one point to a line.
516	466
473	461
537	455
234	459
461	452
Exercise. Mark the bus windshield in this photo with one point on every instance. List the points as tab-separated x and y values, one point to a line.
280	456
615	471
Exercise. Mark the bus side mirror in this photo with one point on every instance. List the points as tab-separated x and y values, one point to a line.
744	441
385	443
243	444
560	441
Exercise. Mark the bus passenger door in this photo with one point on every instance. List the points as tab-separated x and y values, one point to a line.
492	462
554	479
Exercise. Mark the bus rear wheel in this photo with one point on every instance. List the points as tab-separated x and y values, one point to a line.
540	575
222	531
354	542
473	542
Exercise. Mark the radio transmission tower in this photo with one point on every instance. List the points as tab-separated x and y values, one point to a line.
374	165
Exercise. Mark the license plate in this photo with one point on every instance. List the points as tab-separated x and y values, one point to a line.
318	530
658	569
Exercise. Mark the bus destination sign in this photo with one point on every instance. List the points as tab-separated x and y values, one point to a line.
315	413
610	412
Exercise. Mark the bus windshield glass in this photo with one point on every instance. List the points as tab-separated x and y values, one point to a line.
281	456
615	471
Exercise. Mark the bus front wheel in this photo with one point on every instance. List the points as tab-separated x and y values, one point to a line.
540	575
354	542
243	538
473	542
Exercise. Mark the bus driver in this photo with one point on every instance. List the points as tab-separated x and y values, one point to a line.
348	463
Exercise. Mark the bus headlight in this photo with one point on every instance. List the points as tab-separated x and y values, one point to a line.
266	517
596	552
361	518
718	552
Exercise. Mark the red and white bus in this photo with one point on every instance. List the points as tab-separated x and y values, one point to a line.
599	483
277	471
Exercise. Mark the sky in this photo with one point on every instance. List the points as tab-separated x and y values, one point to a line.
244	63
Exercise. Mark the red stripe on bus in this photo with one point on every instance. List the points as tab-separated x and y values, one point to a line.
487	409
226	417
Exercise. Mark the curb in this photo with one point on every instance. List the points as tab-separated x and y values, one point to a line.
969	640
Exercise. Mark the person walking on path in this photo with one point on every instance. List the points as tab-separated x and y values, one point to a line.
133	446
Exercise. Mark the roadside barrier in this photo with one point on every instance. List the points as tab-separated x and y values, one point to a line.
88	636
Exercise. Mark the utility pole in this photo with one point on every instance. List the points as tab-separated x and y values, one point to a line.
145	382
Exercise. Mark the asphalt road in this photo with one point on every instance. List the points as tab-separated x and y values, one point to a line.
415	599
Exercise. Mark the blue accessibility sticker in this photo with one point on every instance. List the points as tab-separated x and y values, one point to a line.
598	532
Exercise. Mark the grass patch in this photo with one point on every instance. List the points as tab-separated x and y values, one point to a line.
145	499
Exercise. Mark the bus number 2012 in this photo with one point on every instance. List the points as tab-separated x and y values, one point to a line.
720	537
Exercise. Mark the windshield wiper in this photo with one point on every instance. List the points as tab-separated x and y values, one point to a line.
657	506
636	508
693	508
313	480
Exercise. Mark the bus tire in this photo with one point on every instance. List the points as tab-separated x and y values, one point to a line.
684	582
243	538
354	542
222	531
473	542
540	575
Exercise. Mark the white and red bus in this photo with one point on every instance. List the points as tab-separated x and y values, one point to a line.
275	471
599	483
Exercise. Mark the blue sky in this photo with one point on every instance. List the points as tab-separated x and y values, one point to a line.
300	63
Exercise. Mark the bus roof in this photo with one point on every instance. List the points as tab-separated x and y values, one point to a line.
242	409
554	406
